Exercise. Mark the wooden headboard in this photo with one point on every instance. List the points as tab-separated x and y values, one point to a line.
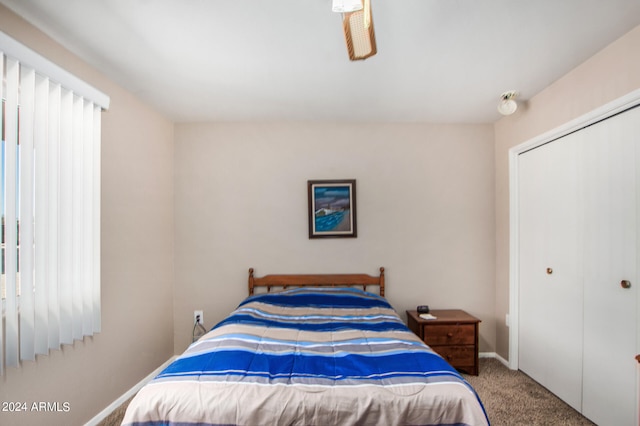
316	280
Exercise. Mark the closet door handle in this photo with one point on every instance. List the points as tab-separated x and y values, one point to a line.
549	271
625	284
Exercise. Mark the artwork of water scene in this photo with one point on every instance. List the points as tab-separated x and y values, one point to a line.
332	208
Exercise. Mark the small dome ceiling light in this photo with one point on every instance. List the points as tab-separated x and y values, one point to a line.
508	105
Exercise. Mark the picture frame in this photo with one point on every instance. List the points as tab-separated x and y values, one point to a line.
332	208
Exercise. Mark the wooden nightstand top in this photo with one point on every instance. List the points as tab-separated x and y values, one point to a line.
443	316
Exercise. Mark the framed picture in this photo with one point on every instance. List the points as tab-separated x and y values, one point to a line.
332	208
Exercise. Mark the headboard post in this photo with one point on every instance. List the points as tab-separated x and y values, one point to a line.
382	281
251	282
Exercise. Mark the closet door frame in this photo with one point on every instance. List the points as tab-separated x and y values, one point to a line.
608	110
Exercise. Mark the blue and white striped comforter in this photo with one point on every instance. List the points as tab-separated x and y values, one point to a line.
321	356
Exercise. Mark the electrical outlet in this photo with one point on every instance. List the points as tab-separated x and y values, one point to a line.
196	315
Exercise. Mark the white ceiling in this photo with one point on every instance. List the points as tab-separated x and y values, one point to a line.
286	60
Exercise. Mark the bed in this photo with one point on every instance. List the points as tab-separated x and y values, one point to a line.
320	349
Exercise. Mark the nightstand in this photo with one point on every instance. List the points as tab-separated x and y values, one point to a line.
453	335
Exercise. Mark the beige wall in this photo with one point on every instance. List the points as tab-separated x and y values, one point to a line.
425	212
610	74
137	260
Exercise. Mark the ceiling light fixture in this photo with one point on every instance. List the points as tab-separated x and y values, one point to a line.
344	6
358	27
508	105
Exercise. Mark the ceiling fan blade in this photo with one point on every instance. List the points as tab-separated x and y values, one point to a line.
359	34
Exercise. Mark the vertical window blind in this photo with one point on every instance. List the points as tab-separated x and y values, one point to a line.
50	205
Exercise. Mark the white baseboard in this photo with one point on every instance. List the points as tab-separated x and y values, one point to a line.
128	394
494	355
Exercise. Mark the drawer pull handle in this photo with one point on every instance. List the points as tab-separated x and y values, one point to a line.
449	334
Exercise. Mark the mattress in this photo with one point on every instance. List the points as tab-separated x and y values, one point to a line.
312	356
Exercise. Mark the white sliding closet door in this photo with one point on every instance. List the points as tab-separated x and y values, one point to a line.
610	243
579	207
550	296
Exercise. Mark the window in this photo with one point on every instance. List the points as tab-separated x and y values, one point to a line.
50	205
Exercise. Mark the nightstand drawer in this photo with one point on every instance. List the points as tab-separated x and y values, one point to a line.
453	334
457	355
447	334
